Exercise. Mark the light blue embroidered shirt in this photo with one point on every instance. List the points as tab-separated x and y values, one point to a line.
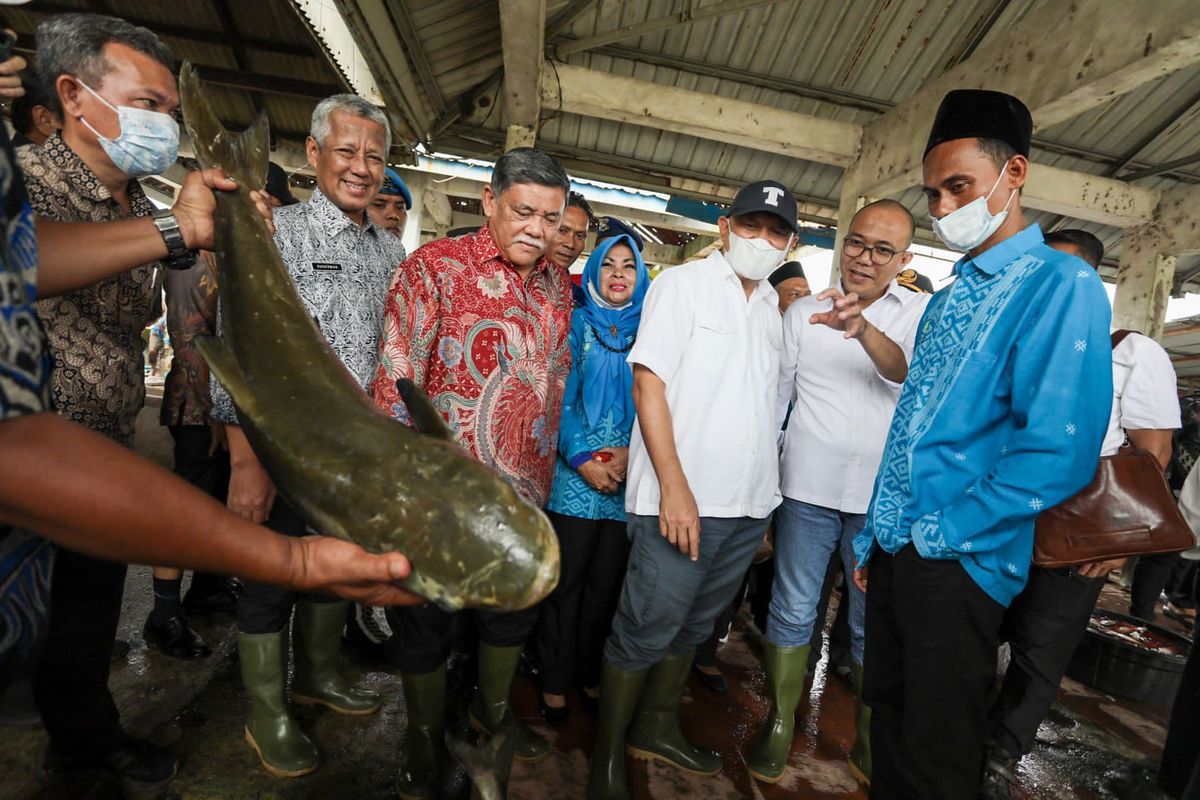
1002	415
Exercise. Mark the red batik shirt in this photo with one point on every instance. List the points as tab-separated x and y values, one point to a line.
488	347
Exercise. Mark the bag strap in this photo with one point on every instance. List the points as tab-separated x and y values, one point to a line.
1119	336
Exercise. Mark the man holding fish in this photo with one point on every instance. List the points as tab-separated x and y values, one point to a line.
86	492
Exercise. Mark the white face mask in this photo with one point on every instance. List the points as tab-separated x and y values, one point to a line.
148	143
970	226
753	259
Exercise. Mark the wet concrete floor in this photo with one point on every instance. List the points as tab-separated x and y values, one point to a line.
1092	746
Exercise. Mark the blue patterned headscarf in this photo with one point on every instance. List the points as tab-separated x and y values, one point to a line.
607	379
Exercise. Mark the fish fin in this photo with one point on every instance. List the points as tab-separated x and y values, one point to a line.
489	763
224	367
425	417
243	156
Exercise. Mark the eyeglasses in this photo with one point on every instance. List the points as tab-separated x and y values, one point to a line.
880	253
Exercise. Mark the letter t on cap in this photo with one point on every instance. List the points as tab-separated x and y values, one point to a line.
773	193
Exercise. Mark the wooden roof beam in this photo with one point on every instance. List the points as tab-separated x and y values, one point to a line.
1096	54
522	36
605	96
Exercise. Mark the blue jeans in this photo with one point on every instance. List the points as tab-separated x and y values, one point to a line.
805	537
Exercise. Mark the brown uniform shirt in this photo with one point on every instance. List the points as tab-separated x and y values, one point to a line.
95	332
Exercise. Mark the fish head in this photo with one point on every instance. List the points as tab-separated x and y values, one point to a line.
484	545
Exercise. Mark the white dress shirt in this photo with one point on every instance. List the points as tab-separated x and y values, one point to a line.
718	354
842	406
1144	395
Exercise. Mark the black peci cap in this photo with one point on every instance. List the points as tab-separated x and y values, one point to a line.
786	272
982	114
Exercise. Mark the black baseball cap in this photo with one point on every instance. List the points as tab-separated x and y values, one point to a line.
769	196
277	184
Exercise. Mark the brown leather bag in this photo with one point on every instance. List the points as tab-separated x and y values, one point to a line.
1127	510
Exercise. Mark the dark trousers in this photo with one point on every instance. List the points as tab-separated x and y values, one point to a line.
1150	575
1179	774
762	577
576	618
931	639
1043	627
1181	584
424	635
839	635
706	653
263	608
70	680
207	472
193	463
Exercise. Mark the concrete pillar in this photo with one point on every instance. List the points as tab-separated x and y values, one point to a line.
416	182
852	199
1144	282
437	210
519	136
1148	254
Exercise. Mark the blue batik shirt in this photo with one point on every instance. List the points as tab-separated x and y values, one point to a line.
26	559
1002	415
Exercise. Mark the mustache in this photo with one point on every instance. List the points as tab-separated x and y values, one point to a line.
540	244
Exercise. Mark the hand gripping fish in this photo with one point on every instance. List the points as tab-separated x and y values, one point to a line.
348	468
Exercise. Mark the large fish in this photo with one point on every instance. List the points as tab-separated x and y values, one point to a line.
349	469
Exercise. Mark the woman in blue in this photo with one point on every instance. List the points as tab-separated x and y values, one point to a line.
587	498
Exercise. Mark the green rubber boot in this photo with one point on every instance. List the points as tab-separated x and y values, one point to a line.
421	761
270	727
316	642
654	734
860	754
619	692
786	668
497	665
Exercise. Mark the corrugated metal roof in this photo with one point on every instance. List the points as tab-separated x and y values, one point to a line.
857	55
846	61
279	52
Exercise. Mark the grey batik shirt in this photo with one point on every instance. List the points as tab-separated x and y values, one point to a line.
342	272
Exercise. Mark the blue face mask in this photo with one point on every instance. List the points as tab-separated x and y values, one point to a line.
148	143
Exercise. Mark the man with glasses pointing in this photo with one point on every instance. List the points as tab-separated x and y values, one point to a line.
845	355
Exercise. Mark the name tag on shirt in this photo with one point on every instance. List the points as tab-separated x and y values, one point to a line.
326	266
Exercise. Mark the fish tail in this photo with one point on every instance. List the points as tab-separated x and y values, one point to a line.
243	156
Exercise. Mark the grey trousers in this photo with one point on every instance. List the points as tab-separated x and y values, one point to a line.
668	602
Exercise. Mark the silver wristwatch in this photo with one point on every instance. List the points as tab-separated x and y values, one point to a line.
178	254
